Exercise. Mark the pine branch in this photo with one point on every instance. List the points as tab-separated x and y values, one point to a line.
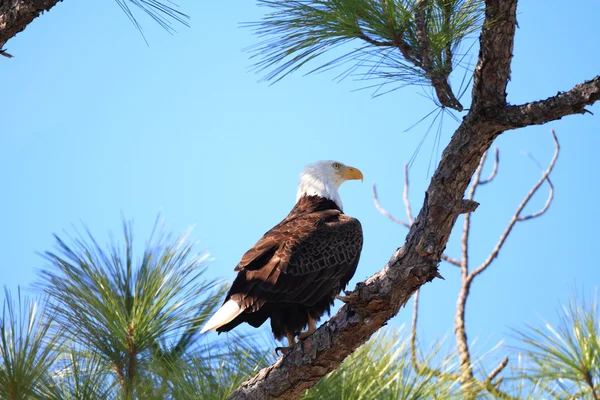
15	15
408	41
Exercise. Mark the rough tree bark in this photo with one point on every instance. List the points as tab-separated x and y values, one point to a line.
15	15
379	298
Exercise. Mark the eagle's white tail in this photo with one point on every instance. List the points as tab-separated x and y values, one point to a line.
225	314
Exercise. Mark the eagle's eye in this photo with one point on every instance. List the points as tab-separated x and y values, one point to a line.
336	165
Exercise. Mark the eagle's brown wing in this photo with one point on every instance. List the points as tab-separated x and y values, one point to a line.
301	260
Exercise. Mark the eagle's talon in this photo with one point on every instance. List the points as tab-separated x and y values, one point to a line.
284	350
312	327
343	299
304	335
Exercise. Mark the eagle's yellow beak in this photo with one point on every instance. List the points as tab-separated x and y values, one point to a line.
349	173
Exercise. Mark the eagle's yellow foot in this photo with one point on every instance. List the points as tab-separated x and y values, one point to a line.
283	350
344	299
291	344
312	327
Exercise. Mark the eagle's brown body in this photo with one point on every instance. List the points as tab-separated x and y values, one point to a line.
297	268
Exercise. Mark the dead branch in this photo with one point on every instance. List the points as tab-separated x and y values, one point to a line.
413	333
459	319
517	215
418	366
387	214
409	214
496	372
494	169
384	211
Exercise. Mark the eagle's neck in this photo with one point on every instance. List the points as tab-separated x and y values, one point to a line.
313	186
312	204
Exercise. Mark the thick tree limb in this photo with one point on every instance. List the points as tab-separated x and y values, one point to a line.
539	112
495	54
16	14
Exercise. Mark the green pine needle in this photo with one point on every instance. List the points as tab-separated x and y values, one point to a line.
382	369
565	360
297	32
124	309
27	348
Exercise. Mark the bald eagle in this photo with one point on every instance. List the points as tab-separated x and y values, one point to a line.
294	272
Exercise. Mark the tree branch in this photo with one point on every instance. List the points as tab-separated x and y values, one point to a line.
460	331
418	366
494	169
495	54
409	215
413	333
517	215
496	372
438	79
384	211
551	109
15	15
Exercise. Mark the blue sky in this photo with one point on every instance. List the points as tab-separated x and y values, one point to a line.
96	124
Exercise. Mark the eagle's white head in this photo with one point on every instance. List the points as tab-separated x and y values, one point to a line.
324	178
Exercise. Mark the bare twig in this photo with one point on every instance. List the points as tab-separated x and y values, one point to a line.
494	169
418	366
451	260
462	344
464	268
405	196
409	215
496	372
413	333
384	211
517	215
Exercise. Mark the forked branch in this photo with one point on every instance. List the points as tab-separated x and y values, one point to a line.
517	215
408	210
